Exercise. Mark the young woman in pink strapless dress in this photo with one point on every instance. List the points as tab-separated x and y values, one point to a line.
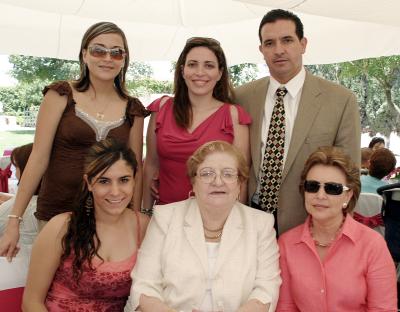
199	112
81	261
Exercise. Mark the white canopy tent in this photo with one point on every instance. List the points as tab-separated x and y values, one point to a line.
339	30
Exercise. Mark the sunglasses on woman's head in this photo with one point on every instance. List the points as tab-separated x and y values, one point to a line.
331	188
101	52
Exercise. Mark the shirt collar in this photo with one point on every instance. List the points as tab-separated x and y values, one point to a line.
293	86
349	230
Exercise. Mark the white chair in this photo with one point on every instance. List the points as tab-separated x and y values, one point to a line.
13	280
369	211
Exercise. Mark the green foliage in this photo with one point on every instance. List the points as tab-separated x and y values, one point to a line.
376	83
27	69
21	97
243	73
139	70
148	86
140	83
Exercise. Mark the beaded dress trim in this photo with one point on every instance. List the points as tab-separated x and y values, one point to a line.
100	128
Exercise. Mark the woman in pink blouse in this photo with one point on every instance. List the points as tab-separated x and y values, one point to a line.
331	262
199	112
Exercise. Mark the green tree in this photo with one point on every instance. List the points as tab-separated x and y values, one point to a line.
27	69
21	97
148	86
376	83
243	73
139	70
380	78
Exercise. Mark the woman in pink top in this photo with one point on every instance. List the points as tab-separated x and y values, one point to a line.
81	261
331	262
198	113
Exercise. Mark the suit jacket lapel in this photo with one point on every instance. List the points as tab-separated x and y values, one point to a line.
257	113
309	107
193	228
232	231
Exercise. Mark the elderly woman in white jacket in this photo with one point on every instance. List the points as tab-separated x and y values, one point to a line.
209	252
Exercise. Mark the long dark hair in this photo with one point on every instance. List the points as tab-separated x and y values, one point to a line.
223	90
83	82
19	158
81	240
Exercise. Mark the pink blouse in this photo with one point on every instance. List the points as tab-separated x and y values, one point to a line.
357	274
175	145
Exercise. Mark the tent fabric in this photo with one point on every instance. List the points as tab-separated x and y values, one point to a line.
339	30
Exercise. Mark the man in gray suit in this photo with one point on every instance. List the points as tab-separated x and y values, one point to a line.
317	113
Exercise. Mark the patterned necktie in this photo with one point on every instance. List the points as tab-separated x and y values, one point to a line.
271	173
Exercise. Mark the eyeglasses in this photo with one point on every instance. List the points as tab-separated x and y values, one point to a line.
101	52
208	175
203	39
331	188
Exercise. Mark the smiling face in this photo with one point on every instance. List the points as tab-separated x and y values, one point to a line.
217	193
282	49
113	189
104	68
201	71
322	206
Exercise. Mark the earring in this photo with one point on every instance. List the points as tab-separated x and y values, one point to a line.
344	205
89	204
191	194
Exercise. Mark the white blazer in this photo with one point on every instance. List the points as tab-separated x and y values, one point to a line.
172	262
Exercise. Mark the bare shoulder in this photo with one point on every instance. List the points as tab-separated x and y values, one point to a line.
52	234
164	100
59	219
234	113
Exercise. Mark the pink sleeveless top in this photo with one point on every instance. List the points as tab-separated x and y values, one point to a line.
104	289
175	145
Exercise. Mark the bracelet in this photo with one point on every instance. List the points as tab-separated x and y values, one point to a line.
15	217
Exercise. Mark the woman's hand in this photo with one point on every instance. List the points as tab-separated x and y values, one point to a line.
9	240
254	305
4	197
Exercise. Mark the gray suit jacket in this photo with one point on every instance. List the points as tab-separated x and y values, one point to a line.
328	115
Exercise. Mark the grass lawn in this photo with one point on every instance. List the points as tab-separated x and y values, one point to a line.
11	139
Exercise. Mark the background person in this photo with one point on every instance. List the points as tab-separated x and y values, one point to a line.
73	116
209	252
316	113
366	153
199	112
28	226
381	163
376	143
82	261
332	262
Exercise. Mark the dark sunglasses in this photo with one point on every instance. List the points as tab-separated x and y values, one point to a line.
101	52
331	188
